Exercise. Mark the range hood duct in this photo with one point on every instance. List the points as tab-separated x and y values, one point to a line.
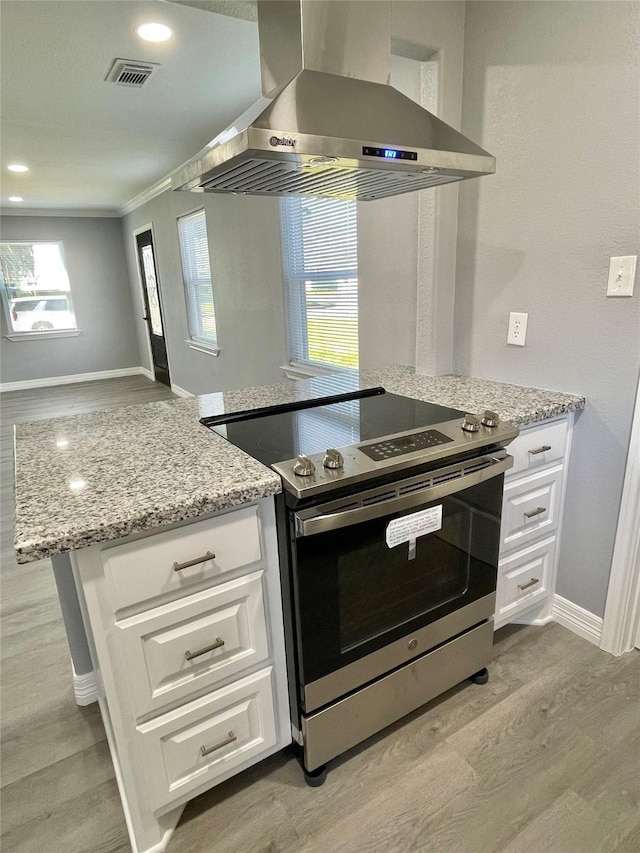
329	123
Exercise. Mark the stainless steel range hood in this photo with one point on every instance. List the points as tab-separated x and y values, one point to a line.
329	123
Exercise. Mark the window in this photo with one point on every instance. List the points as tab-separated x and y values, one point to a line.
35	288
194	251
319	238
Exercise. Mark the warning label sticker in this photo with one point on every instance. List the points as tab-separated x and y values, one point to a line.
411	526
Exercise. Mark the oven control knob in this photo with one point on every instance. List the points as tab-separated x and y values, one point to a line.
490	419
471	423
304	467
333	458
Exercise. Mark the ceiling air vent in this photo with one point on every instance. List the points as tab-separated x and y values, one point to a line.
130	72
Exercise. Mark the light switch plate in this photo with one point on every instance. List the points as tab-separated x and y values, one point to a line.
622	273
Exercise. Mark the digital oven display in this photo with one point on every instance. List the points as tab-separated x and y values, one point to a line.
389	153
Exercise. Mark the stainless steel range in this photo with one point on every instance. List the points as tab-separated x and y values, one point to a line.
389	530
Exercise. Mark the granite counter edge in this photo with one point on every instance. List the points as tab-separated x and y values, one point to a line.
231	498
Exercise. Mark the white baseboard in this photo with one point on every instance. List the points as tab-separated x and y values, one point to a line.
86	688
577	619
71	379
180	392
538	620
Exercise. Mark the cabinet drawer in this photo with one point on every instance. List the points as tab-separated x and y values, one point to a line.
192	644
538	446
143	570
523	577
204	740
530	507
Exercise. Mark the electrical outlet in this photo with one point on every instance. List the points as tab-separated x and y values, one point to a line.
517	331
622	273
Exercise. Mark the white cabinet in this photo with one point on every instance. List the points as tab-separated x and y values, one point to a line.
531	522
171	651
530	507
172	563
539	446
525	578
208	737
186	634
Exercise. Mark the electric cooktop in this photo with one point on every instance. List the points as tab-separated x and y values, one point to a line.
330	442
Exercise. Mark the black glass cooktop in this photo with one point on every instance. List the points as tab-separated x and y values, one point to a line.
274	436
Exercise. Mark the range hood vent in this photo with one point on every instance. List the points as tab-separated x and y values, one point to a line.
252	176
329	123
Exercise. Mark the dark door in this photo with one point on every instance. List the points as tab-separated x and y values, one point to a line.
153	306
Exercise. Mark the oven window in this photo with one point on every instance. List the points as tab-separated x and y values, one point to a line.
382	588
355	594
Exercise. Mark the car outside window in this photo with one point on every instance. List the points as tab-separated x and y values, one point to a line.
35	288
56	305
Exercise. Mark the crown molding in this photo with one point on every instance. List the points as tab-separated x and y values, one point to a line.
59	211
150	193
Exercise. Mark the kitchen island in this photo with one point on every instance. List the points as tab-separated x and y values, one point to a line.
173	543
105	475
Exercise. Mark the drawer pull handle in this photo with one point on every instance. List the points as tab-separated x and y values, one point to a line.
177	567
537	511
191	655
526	585
542	449
204	751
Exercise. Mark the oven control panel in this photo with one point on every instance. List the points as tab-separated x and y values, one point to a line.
390	447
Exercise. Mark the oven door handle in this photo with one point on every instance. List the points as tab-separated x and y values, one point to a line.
310	522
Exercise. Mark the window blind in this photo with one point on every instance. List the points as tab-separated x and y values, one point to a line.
320	256
196	273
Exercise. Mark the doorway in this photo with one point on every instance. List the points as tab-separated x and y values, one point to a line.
153	317
621	624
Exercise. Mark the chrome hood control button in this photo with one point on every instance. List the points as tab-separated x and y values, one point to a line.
490	419
304	467
471	423
333	458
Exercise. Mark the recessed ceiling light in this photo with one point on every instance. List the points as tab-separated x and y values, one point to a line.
154	32
17	167
15	198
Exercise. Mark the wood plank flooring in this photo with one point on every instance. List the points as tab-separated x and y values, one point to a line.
545	757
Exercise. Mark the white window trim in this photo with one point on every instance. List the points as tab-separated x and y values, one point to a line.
36	336
49	333
200	347
294	282
297	370
208	347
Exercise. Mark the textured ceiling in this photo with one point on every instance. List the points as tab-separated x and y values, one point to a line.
91	145
246	9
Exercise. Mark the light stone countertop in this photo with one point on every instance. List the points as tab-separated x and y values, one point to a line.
104	475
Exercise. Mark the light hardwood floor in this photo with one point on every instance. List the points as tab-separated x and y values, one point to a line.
546	757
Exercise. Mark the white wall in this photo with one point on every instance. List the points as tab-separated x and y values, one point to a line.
244	251
550	88
439	27
407	244
101	298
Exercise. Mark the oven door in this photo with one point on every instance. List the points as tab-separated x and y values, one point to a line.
386	575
